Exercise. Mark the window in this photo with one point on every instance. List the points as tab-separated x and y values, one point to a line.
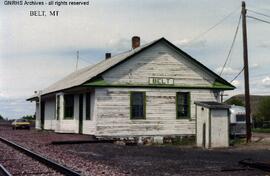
240	117
69	106
137	105
88	106
182	105
57	107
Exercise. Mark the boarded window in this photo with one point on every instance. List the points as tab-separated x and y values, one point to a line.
57	107
182	105
137	105
69	106
88	106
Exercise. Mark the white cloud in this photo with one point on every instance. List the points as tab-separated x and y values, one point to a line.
227	71
236	83
264	44
190	43
254	66
266	81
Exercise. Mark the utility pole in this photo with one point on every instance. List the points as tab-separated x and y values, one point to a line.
246	74
77	59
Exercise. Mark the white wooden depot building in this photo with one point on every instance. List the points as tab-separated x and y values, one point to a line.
147	91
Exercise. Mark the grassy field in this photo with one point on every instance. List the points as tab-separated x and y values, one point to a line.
261	130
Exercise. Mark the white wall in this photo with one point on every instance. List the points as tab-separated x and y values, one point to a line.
113	112
72	125
38	122
202	118
67	125
89	126
159	61
219	128
216	127
49	114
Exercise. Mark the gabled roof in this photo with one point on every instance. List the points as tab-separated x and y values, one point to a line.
81	76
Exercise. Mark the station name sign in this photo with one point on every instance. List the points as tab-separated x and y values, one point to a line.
160	81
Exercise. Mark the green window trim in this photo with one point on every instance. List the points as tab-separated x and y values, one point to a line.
188	105
69	110
144	105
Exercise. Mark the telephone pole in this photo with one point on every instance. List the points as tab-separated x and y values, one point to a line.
246	74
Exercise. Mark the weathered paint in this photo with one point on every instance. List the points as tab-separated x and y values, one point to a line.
37	123
219	128
113	108
202	118
216	127
49	115
89	126
159	61
110	106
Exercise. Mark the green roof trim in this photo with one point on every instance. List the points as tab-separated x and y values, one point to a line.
102	83
226	84
220	85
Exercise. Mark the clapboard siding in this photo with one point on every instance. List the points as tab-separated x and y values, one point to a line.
89	126
159	61
38	121
113	112
49	114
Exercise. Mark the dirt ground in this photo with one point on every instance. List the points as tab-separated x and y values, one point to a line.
149	160
171	160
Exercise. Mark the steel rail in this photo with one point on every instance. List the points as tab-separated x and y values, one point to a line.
52	164
3	171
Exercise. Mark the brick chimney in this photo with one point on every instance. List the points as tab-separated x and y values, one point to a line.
108	55
135	42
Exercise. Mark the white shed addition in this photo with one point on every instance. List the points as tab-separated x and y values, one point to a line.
212	124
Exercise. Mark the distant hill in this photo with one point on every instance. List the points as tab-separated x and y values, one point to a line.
254	101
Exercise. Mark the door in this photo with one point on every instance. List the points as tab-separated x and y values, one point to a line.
42	114
81	113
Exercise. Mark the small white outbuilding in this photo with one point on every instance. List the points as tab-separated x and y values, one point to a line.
212	124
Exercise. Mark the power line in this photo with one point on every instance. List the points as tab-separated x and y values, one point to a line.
259	13
268	22
237	75
209	29
232	45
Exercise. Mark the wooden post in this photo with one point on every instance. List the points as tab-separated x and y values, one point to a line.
246	74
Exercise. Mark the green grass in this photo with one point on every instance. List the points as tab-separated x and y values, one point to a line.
185	140
261	130
237	141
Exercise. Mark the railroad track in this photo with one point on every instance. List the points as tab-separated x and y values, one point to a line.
19	154
4	171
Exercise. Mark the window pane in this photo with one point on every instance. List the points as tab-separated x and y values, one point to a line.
182	99
69	106
88	106
57	107
240	117
137	105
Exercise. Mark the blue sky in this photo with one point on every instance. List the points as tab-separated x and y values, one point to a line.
37	51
